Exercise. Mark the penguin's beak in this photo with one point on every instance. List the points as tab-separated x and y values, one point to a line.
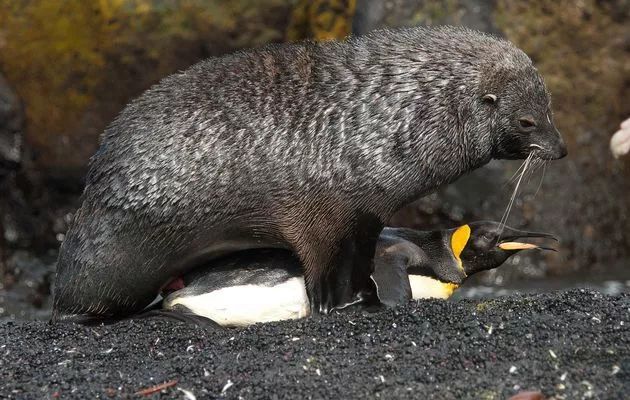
509	240
520	246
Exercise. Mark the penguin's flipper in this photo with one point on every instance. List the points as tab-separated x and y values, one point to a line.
392	281
392	286
395	253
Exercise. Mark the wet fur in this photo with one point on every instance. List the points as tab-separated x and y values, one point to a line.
308	147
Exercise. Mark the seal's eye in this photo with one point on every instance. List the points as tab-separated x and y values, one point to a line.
527	123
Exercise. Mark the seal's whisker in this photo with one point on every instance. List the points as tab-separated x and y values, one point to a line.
536	164
544	164
533	165
518	171
506	214
513	177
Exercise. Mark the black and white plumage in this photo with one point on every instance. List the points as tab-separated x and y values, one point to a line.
268	284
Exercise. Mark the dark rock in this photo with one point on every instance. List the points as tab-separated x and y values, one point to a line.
11	129
11	123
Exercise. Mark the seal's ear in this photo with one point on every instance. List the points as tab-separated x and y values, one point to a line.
489	98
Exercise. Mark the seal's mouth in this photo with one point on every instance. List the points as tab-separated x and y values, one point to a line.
548	155
512	241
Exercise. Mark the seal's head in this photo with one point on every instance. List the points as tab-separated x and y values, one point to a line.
470	95
515	94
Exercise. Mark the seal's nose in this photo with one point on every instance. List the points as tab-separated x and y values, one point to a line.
560	149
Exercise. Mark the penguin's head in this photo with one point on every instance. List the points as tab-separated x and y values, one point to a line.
485	245
438	262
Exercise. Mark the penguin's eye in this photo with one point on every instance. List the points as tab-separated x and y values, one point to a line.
487	237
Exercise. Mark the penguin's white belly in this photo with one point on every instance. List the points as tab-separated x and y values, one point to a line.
249	304
423	287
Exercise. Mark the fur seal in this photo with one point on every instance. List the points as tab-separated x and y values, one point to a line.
268	285
308	147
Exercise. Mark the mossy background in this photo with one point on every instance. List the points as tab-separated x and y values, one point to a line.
74	64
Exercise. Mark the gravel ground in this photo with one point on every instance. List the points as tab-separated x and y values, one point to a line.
571	345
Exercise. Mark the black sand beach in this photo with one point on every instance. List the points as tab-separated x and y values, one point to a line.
571	345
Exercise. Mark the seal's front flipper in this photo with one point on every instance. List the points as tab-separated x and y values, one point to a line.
332	289
320	297
350	284
363	287
182	314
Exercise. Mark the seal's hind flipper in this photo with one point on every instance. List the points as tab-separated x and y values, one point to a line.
182	314
83	319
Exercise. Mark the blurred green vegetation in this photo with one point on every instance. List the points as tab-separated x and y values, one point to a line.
321	19
76	63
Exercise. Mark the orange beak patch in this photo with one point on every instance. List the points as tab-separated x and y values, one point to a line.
458	242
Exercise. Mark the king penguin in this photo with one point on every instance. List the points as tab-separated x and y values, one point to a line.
436	263
266	285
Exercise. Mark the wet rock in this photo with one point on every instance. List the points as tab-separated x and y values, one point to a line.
11	129
25	289
374	14
11	124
